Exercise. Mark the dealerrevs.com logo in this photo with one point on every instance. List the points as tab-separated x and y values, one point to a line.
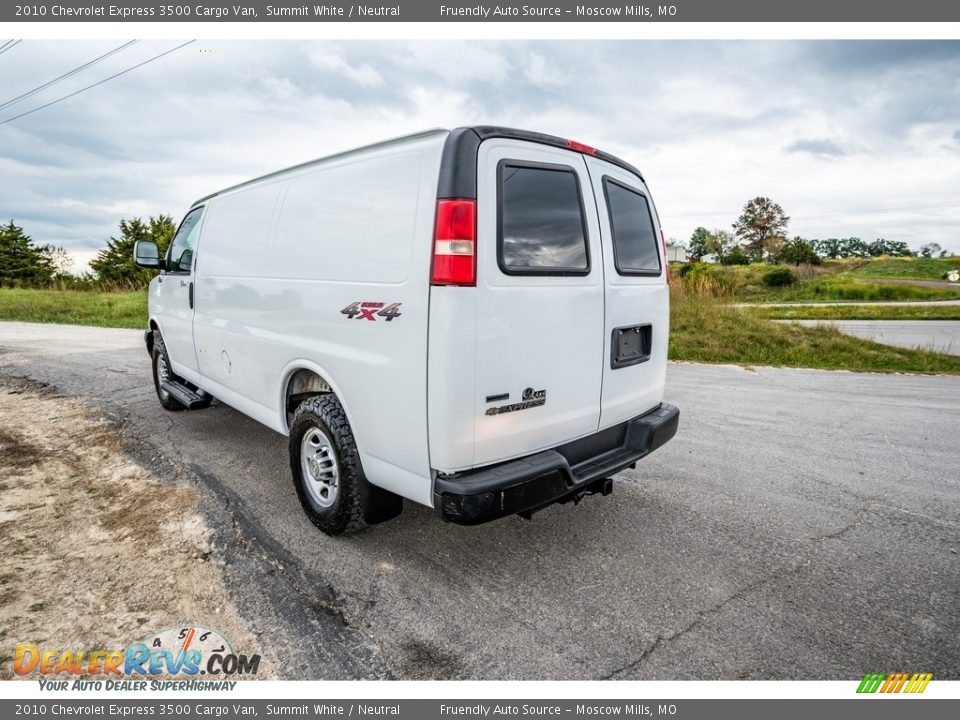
185	651
914	683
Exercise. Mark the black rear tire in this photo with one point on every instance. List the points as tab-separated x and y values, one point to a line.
356	503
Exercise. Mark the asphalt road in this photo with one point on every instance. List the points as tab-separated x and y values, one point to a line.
937	335
802	524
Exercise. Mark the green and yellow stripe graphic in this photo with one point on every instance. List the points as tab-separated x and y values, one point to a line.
894	682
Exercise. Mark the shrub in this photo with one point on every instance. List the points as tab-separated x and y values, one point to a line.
798	252
735	256
778	277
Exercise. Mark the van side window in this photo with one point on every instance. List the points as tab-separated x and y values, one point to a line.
540	224
180	255
634	236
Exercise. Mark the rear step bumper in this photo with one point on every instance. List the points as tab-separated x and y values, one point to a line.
565	472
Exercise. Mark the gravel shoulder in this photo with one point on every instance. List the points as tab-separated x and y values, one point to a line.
96	551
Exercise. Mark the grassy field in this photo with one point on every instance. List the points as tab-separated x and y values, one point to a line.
705	330
833	281
858	312
837	282
907	268
75	307
845	287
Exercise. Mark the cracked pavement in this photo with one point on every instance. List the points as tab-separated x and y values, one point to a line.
802	524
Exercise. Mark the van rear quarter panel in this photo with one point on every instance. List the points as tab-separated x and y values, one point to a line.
270	294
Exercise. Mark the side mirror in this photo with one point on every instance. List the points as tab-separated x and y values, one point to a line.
146	254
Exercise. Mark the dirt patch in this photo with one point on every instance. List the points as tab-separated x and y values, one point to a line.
96	552
16	452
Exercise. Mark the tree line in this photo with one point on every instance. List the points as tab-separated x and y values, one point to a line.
25	263
760	234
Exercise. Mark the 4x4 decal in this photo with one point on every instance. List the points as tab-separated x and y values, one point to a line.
370	310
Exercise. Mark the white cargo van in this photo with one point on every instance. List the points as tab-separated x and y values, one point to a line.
475	320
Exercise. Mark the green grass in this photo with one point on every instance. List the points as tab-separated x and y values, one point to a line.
858	312
705	330
833	281
75	307
845	287
908	268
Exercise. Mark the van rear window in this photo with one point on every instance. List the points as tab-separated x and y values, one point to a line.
541	220
634	236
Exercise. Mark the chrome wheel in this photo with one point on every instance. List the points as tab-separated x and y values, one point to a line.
318	462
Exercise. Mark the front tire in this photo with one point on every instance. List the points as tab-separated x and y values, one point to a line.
163	372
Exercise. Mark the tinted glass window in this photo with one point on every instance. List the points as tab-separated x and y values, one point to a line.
541	220
634	237
183	243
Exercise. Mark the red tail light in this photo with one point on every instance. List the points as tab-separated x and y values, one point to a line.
455	243
580	147
666	260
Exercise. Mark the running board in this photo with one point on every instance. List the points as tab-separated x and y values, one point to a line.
182	394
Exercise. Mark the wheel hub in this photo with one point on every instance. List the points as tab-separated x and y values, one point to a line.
318	461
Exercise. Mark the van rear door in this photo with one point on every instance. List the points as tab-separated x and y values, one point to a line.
637	314
540	300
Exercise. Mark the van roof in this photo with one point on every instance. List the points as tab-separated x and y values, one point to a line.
458	170
327	158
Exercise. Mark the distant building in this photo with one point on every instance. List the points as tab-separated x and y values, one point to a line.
677	253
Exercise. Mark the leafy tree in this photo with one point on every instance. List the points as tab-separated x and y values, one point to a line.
760	223
60	261
798	252
880	246
829	248
855	247
114	264
930	250
719	242
22	262
699	243
735	256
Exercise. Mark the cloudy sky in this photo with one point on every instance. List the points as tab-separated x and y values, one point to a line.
852	138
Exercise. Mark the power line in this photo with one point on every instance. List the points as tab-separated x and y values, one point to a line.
9	45
99	82
66	75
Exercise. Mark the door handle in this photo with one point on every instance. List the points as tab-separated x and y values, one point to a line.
183	283
190	293
160	280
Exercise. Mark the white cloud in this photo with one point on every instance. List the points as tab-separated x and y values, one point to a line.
844	136
540	71
327	60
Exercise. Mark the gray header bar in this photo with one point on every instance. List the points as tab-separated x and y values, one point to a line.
480	11
227	708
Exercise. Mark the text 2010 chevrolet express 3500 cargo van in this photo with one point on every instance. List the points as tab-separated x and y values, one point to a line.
475	320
